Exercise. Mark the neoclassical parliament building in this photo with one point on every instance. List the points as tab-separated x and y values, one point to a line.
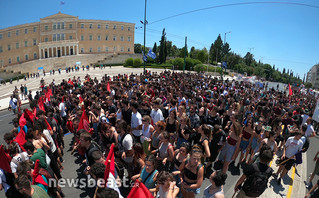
64	35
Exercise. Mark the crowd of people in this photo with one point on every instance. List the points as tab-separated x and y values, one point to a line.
169	131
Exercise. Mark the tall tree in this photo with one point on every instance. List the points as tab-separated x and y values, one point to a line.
192	53
182	52
174	51
217	49
225	50
169	48
162	49
249	58
137	48
155	48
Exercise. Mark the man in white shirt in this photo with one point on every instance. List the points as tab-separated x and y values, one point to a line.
17	158
136	122
156	113
310	132
292	146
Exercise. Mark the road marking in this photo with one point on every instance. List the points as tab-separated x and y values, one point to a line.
292	182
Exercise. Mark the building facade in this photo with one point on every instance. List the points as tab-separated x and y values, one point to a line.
64	35
313	76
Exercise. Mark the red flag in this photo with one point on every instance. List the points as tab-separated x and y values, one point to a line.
29	115
34	111
91	131
41	104
108	88
83	117
22	121
81	99
5	160
62	99
69	125
20	139
48	94
48	125
139	190
290	91
71	82
36	176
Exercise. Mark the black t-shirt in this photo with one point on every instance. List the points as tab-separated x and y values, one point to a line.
249	170
187	131
218	140
213	120
112	109
127	115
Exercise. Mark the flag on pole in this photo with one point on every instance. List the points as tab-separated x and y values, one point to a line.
5	160
144	57
139	190
109	173
84	118
108	87
20	139
290	90
41	104
151	54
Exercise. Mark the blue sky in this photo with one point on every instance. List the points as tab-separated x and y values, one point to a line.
280	34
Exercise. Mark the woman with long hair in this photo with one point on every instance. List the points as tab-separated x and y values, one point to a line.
147	131
159	128
166	186
183	131
165	152
172	125
192	173
138	160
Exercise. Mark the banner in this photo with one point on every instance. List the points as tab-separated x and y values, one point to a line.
316	113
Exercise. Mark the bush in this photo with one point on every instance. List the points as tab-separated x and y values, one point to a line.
179	62
137	62
129	62
200	68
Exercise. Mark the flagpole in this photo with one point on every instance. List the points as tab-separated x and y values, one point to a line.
144	34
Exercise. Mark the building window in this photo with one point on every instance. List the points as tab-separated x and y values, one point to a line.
106	37
91	49
70	26
54	26
34	41
58	37
34	29
91	37
25	43
82	50
17	32
114	49
91	25
35	55
18	58
82	25
62	25
46	39
71	37
9	60
128	38
59	26
98	49
98	26
26	57
1	49
114	38
9	34
26	31
9	47
0	36
122	38
62	37
17	45
122	27
106	26
98	37
54	37
107	49
114	27
129	29
82	38
46	27
122	49
128	49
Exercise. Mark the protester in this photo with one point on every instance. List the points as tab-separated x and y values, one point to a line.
215	189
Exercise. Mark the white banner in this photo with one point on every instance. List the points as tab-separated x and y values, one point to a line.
316	113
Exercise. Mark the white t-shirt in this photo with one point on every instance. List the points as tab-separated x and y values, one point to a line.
156	115
136	121
49	137
3	181
19	158
62	109
293	146
304	118
309	130
126	145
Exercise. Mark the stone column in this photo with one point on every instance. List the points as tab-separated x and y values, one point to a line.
65	50
40	53
77	49
69	50
56	51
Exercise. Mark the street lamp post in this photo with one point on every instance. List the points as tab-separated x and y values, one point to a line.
144	35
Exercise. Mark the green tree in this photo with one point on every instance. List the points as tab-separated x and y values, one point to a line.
137	48
249	58
174	51
308	85
202	55
192	53
200	68
179	62
225	50
137	62
169	48
162	49
155	48
182	52
129	62
216	49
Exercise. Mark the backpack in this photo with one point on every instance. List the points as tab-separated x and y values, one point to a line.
306	145
256	183
96	147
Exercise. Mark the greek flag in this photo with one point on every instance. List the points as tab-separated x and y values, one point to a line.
151	54
144	57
